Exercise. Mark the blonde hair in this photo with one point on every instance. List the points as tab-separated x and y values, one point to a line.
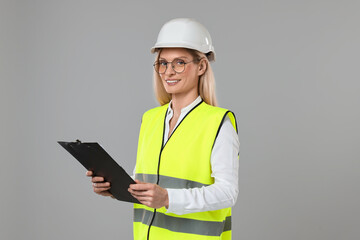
206	85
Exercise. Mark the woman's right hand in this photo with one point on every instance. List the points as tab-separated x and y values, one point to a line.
100	187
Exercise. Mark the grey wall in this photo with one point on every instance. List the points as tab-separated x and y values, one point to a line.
82	69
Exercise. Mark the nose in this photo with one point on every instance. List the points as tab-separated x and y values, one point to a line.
169	69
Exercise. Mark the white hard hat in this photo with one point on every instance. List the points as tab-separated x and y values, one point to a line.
185	33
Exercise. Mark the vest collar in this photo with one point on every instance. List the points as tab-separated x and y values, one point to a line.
187	108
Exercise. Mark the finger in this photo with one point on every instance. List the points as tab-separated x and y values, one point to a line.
97	179
99	190
104	193
89	173
102	184
146	203
139	193
144	199
141	186
136	182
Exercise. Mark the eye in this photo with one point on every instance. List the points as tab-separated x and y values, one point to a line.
163	63
179	62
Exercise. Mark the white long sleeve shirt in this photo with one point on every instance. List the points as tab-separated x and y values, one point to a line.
224	165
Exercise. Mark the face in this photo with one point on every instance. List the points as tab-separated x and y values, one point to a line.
183	83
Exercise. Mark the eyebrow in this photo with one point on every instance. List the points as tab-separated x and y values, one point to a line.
174	58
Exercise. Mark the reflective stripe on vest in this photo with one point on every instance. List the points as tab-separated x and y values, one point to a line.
169	182
182	163
184	225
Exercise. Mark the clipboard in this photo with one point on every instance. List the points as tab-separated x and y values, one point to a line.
94	158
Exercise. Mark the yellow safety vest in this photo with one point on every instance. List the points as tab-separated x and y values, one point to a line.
183	162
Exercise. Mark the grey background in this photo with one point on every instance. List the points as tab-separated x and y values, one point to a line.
82	69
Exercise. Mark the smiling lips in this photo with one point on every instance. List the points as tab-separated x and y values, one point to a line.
172	82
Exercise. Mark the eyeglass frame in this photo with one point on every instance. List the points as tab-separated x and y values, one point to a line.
172	66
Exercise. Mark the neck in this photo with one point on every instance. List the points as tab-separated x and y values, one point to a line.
179	101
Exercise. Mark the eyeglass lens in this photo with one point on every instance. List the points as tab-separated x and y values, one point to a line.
177	64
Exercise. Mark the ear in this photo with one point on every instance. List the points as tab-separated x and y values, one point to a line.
202	67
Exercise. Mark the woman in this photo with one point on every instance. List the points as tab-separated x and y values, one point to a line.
186	170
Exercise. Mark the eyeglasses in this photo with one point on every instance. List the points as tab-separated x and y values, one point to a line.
178	65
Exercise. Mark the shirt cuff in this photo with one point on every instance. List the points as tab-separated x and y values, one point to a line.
175	201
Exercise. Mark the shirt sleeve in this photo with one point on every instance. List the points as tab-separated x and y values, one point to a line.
225	167
133	175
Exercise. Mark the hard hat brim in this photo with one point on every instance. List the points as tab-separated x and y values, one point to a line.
210	54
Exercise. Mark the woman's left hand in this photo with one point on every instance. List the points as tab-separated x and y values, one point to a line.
150	194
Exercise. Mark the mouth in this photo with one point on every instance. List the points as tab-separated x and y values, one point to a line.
172	82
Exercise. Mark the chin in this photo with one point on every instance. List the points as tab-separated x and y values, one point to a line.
170	90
